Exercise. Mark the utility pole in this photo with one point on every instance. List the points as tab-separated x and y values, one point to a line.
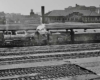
7	25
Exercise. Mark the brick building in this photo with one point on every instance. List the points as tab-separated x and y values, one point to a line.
14	18
83	7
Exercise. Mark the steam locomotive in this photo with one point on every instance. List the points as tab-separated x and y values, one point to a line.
15	38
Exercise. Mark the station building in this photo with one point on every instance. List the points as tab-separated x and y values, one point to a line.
85	16
74	14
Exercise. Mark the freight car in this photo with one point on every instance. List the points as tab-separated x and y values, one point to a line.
87	36
80	36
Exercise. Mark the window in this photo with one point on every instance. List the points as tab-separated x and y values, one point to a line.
7	32
96	18
21	32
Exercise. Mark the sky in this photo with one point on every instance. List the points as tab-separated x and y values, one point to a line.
24	6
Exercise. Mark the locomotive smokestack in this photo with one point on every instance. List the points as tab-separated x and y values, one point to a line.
43	12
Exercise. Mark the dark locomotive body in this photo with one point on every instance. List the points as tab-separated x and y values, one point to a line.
7	39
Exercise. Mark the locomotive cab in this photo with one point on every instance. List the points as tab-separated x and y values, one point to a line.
7	37
7	34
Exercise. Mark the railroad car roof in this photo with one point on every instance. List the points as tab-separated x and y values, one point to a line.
52	26
73	26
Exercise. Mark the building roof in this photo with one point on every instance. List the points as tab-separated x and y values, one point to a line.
55	26
81	7
86	12
66	13
71	25
57	13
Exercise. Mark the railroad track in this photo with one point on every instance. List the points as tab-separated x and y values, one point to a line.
43	51
48	57
47	49
52	53
10	56
54	71
50	47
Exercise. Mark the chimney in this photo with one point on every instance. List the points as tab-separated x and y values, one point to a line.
43	12
77	5
31	13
